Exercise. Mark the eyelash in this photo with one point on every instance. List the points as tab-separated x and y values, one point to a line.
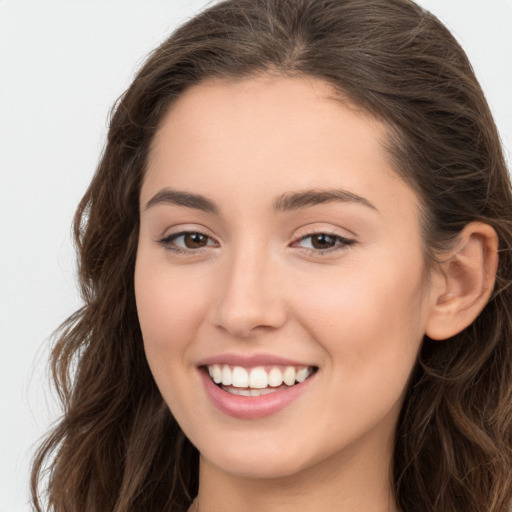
341	244
168	240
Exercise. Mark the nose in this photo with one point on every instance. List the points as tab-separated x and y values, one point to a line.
249	298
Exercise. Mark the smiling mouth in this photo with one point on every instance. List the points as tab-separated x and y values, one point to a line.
259	380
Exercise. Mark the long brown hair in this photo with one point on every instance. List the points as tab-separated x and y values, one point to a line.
117	446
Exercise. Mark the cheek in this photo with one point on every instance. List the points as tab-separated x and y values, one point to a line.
360	301
169	310
371	332
369	323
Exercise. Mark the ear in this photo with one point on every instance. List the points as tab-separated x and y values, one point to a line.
464	282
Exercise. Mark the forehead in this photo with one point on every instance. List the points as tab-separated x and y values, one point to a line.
266	135
275	110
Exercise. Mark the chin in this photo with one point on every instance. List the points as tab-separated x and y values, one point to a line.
261	470
258	462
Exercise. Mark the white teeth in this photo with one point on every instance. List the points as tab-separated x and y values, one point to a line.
216	374
251	392
240	377
257	378
302	374
227	377
289	376
275	377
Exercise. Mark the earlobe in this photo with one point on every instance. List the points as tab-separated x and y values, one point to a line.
465	282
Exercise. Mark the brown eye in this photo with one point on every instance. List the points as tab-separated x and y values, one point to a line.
323	241
195	240
187	241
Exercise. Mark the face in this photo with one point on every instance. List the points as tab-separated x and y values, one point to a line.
276	242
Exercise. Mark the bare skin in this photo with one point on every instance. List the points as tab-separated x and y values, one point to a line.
336	284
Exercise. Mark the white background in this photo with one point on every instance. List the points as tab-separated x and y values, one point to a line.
62	65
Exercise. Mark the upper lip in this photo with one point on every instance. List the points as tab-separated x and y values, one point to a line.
250	361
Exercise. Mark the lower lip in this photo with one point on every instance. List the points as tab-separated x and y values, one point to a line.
252	407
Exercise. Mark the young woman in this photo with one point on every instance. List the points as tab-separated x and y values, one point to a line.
295	261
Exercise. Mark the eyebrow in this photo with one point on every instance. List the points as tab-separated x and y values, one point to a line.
289	201
179	198
303	199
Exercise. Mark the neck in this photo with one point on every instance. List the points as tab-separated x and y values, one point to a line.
345	482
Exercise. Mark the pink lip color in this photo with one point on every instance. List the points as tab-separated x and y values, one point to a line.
250	361
251	407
